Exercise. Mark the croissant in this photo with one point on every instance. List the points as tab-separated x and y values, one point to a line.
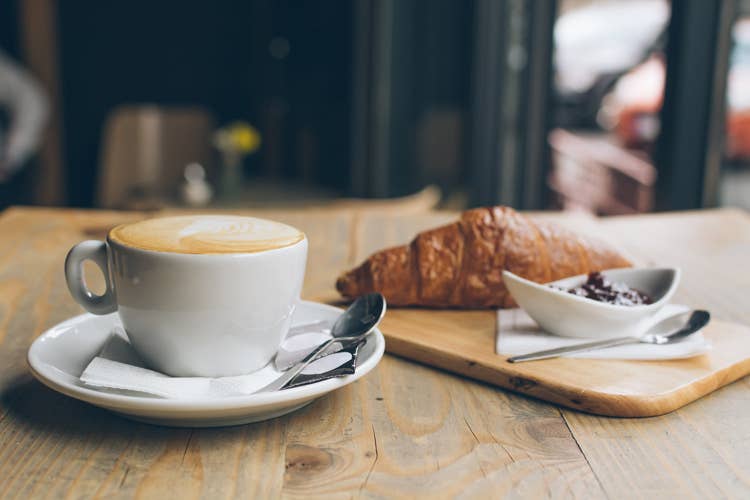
460	265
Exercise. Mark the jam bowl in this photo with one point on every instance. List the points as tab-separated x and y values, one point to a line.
559	307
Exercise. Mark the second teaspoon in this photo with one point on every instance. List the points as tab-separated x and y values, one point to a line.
677	327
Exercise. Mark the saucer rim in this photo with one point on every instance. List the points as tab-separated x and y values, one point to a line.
44	372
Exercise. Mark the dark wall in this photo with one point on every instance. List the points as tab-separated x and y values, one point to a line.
214	54
18	188
431	73
9	36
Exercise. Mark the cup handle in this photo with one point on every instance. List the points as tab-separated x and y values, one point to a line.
95	251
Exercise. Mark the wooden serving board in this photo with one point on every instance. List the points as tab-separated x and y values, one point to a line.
464	342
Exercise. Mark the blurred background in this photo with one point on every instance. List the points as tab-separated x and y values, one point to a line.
607	106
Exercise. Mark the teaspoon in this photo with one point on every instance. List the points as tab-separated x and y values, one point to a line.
354	324
667	331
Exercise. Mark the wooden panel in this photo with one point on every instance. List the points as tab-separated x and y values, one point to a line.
464	342
38	20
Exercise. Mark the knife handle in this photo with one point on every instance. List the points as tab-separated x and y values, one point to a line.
588	346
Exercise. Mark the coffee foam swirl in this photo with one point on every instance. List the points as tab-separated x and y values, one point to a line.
203	234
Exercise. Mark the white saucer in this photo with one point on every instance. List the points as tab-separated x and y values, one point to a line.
58	357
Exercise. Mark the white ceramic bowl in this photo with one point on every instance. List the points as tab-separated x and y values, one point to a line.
569	315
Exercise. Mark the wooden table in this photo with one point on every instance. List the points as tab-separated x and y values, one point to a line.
404	430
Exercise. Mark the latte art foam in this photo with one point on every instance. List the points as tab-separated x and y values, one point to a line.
204	234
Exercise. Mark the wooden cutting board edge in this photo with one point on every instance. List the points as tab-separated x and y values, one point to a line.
483	368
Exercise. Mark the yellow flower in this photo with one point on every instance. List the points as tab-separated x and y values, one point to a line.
238	137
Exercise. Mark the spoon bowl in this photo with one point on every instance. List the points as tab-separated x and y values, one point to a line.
676	328
360	317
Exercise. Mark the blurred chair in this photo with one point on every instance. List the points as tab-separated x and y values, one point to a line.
145	150
592	173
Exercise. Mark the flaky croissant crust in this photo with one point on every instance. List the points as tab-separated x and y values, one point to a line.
460	265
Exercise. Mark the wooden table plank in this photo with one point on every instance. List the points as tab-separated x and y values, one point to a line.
703	449
406	429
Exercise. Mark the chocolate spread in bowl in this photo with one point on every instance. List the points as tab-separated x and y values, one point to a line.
599	288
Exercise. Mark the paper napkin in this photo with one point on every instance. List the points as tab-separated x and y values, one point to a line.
118	368
516	333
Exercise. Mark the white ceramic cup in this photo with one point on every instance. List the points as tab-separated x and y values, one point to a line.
206	315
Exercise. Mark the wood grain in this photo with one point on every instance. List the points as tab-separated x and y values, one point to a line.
406	430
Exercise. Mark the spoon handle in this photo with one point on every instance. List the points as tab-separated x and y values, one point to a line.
588	346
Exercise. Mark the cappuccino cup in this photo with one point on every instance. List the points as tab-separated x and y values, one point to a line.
206	296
